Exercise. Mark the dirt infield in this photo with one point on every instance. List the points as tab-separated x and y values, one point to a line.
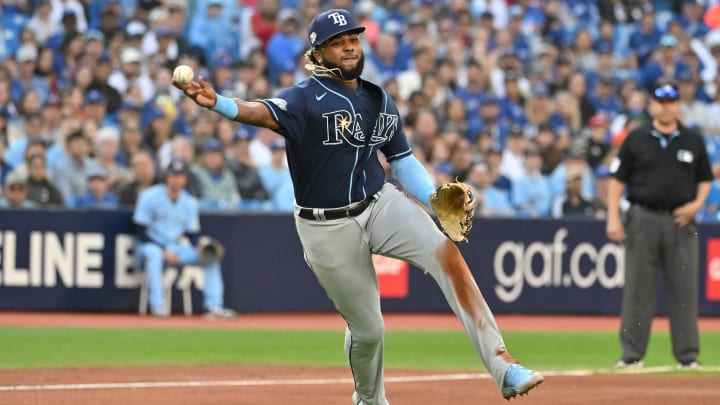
277	385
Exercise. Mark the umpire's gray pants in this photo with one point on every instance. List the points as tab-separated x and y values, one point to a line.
655	243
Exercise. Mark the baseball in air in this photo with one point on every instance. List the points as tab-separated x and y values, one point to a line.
183	74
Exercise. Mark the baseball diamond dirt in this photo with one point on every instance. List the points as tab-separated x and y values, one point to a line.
259	385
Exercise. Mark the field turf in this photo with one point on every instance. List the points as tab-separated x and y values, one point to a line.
33	347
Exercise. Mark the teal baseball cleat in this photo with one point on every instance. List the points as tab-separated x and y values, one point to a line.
519	380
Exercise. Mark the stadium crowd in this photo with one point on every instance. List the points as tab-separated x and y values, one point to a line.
526	100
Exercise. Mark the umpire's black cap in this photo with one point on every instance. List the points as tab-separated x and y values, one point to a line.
330	23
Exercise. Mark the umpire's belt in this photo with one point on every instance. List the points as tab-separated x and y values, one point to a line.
325	214
657	209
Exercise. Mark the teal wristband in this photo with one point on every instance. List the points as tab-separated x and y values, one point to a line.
226	107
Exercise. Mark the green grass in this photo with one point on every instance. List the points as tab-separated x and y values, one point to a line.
65	347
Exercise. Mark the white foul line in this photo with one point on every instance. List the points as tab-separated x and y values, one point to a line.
309	381
250	383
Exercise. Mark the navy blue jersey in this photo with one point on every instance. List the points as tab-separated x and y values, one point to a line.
333	133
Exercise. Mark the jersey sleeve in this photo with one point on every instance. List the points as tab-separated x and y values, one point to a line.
703	170
620	165
143	210
288	109
397	146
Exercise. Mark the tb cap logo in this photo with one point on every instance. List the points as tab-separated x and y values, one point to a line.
338	19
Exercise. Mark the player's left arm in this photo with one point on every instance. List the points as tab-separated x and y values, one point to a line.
414	178
246	112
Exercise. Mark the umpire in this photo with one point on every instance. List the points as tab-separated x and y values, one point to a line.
667	173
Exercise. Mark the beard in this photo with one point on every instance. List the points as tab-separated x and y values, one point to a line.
346	74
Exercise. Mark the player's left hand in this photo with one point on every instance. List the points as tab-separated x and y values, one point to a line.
200	91
685	213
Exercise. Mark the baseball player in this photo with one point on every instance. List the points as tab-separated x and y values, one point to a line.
334	124
164	213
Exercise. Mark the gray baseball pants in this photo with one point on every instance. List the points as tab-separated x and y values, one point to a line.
339	252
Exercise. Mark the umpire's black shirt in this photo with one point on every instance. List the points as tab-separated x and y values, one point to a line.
662	171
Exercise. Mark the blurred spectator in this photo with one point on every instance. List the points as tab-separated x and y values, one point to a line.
488	119
209	30
513	155
385	57
131	139
575	161
552	154
36	146
15	193
218	187
106	150
410	80
645	37
493	157
41	189
101	75
577	85
98	193
158	132
492	202
598	141
26	78
31	130
276	179
694	112
131	72
61	8
42	24
604	97
70	174
143	176
285	45
95	108
691	18
253	195
530	191
666	65
572	204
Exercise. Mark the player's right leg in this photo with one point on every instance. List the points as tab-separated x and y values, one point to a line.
151	256
338	254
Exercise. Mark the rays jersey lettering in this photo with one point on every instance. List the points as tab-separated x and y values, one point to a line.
339	125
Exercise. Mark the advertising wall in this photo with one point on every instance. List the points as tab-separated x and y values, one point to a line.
83	261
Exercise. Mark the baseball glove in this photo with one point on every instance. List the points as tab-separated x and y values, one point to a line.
210	250
454	206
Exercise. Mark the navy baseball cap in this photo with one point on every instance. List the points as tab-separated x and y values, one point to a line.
331	23
242	134
212	145
178	166
94	96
